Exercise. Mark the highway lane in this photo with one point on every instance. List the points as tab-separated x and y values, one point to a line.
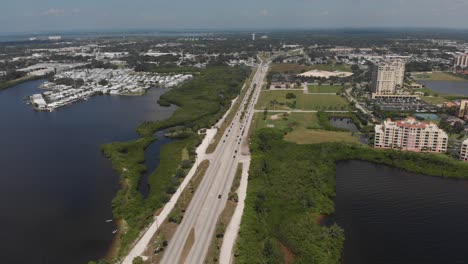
211	195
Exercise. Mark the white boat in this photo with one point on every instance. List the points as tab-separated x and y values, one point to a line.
115	231
109	220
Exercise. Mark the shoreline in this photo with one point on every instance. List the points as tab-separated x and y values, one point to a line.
128	166
12	83
113	251
163	212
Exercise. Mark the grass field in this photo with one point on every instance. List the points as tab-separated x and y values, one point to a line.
303	101
325	88
285	120
434	99
439	76
305	128
308	136
296	68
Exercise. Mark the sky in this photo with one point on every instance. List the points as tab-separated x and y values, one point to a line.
66	15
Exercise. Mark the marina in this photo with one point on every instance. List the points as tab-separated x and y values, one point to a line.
77	85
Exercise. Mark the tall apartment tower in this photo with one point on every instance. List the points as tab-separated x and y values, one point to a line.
461	60
410	135
464	151
387	76
253	36
463	111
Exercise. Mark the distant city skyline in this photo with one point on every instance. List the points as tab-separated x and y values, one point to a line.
54	15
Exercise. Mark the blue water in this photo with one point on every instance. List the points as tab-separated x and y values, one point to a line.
391	216
21	37
56	186
455	88
152	161
427	116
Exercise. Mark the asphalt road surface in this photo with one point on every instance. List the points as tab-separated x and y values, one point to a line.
211	196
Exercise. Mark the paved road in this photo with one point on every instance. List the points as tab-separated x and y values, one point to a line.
357	104
211	196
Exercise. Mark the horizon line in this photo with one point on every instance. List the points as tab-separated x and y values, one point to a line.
227	29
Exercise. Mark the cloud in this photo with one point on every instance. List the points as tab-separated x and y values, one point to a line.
54	12
264	13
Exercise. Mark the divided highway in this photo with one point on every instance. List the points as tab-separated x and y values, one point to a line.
211	196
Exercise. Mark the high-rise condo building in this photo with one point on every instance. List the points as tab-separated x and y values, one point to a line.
463	111
387	76
410	135
464	150
461	60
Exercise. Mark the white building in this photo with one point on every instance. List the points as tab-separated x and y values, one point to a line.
253	36
387	76
410	135
54	37
461	60
464	150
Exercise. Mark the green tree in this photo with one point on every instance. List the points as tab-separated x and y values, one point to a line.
137	260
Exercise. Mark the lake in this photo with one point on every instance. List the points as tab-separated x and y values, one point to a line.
448	87
391	216
344	123
56	186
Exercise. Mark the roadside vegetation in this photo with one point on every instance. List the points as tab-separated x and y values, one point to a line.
212	147
129	206
167	229
201	101
291	186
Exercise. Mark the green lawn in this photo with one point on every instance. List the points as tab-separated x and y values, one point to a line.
285	120
308	136
297	69
439	76
325	88
303	101
434	99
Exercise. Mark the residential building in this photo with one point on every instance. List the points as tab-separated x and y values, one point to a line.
464	150
463	111
461	60
387	76
410	135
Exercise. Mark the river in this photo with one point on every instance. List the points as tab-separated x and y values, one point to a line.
391	216
447	87
56	186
